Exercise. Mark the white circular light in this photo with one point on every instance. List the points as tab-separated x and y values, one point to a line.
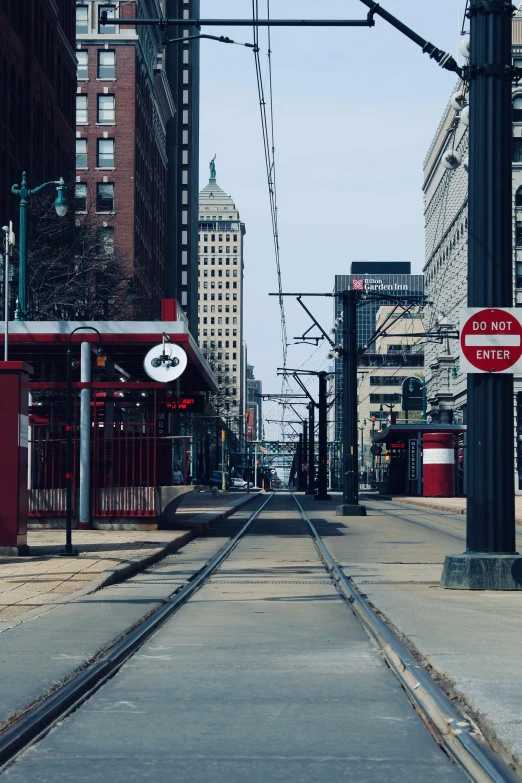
458	100
464	116
464	48
451	160
165	363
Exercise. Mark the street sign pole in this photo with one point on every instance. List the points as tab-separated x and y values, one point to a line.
490	562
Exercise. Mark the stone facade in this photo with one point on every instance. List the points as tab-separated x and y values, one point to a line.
446	258
221	237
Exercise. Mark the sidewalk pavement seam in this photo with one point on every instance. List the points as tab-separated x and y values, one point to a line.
124	571
438	507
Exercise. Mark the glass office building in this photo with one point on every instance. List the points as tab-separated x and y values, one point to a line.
389	278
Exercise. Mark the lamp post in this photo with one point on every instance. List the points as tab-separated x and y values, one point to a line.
411	389
68	551
61	206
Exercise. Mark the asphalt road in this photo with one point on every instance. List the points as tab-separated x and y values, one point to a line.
265	675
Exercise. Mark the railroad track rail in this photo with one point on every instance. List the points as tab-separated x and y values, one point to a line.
452	729
38	720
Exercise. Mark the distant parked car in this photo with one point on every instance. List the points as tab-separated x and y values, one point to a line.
238	482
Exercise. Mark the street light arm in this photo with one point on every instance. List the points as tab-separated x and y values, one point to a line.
45	185
442	58
220	38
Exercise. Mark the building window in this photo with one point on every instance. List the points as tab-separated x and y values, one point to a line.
518	234
106	64
83	65
81	110
81	153
518	198
82	19
106	153
105	197
105	239
106	109
80	197
518	283
110	28
517	150
517	108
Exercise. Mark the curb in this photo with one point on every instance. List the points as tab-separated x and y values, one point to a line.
446	509
124	571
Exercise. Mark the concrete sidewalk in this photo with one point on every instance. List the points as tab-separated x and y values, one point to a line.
469	641
30	584
451	505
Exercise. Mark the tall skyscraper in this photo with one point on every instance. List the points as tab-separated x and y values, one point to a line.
123	107
182	63
221	238
37	86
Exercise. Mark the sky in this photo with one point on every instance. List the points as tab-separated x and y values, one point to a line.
355	111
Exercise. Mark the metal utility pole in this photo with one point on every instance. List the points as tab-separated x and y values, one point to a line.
322	473
311	449
491	561
350	505
300	461
304	453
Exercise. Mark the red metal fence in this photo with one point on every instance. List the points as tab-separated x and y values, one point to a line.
123	463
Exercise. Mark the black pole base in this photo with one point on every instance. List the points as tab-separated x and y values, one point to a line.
482	571
322	497
350	511
72	553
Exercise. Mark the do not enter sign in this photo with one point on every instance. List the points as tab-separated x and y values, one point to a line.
490	340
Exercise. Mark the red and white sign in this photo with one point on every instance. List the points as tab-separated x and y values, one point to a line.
491	340
358	284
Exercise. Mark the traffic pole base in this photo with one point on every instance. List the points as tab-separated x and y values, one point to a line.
322	497
350	511
482	571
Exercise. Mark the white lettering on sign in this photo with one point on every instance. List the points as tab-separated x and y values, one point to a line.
491	340
438	456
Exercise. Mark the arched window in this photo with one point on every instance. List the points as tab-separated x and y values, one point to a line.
517	108
518	198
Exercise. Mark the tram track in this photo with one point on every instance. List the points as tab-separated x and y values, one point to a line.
453	730
38	720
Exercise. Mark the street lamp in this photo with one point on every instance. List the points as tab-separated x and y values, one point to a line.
411	389
61	206
100	362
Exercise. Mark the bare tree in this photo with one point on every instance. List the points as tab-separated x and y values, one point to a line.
74	269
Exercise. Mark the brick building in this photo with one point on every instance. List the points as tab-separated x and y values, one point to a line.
37	85
123	107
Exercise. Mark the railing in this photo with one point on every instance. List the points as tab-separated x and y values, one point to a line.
123	469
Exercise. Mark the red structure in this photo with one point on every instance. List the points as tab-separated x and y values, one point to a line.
438	465
421	459
14	378
131	430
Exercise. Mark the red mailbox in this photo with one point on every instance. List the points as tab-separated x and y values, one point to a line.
438	465
14	394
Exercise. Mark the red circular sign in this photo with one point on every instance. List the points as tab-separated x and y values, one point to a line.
491	340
